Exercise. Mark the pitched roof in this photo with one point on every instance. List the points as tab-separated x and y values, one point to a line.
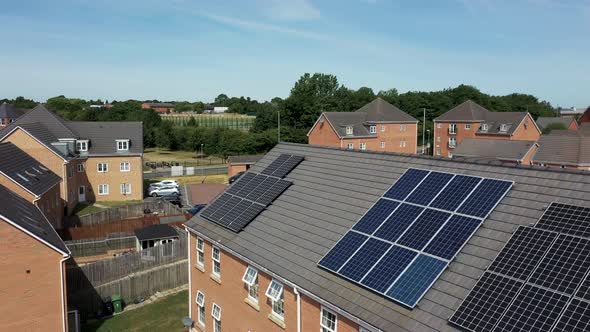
341	120
161	104
25	170
246	159
29	218
159	231
54	124
466	111
492	149
381	111
9	111
564	147
102	136
333	188
543	122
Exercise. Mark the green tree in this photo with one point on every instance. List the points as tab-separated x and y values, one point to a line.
553	126
311	95
221	100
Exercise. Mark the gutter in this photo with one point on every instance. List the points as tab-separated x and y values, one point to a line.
63	297
298	309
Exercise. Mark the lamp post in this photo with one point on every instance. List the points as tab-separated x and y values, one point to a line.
428	141
202	158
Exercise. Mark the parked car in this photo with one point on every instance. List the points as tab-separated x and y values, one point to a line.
173	199
195	209
235	177
164	183
164	190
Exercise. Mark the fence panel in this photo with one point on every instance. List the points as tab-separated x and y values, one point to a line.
124	212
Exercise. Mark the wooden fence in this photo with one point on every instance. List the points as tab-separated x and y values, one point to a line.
93	247
160	207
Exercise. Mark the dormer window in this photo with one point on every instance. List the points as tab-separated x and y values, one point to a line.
122	145
82	145
484	127
503	128
373	129
349	130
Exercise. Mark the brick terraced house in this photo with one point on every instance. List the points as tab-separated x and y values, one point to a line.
237	164
162	108
32	181
9	114
97	161
266	276
377	126
474	121
33	286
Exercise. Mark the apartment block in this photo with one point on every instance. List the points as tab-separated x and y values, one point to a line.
97	161
9	114
470	120
377	126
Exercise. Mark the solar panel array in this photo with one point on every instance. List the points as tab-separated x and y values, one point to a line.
402	244
540	281
251	194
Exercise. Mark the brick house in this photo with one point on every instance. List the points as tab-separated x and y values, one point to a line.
377	126
33	267
474	121
237	164
162	108
499	151
585	116
32	181
9	114
564	149
97	161
570	123
266	277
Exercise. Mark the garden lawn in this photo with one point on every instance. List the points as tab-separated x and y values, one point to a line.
164	315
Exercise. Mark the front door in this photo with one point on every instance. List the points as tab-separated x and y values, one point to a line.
81	194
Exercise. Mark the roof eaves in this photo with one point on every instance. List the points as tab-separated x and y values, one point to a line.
65	254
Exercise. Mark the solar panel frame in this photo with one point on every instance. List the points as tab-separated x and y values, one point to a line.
213	207
406	184
381	210
456	191
287	166
452	236
575	317
251	185
246	217
429	188
225	208
355	239
482	196
583	291
558	217
241	183
275	164
274	192
360	263
400	256
261	188
424	229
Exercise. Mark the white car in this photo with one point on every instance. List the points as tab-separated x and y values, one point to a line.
172	183
163	191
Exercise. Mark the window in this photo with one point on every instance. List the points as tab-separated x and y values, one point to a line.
216	254
278	307
275	293
122	144
11	120
452	142
82	146
382	128
70	171
373	129
452	128
350	146
200	252
450	154
403	127
349	130
216	313
103	189
438	139
80	168
402	143
438	152
2	122
467	126
328	321
382	144
503	128
439	125
124	166
363	146
201	304
125	188
102	167
250	278
484	127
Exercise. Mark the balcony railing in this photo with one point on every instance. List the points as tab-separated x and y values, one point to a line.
452	145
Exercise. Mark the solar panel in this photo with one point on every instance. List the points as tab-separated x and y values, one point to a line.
246	217
523	252
343	249
364	259
452	236
275	191
234	213
225	208
389	268
250	186
487	301
424	228
241	183
455	192
429	188
575	318
533	309
416	280
484	198
564	266
564	218
211	208
375	216
398	222
287	166
262	188
406	183
584	290
275	164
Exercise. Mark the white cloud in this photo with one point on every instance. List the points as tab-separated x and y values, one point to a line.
290	10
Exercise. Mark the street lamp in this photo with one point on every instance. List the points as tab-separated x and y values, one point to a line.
428	141
201	159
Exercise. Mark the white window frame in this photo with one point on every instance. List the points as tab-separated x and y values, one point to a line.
80	168
274	290
82	145
216	267
503	128
373	129
103	186
325	327
250	278
402	143
484	127
438	151
452	128
125	188
200	308
438	139
382	144
349	131
403	128
122	145
104	169
350	146
125	169
452	139
467	126
439	125
200	252
216	314
363	146
382	128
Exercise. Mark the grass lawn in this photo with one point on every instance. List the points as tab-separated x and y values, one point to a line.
159	155
189	179
163	315
88	208
118	203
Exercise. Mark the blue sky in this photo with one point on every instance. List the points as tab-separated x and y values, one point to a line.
194	50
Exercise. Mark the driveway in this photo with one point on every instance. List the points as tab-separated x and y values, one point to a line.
203	193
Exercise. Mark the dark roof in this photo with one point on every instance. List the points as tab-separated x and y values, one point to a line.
333	188
543	122
247	159
470	111
160	104
564	147
381	111
25	170
492	149
152	232
102	136
9	111
341	120
28	217
54	124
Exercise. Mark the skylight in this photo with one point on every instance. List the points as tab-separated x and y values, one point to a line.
22	177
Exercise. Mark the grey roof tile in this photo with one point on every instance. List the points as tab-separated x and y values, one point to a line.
564	147
103	136
8	111
543	122
492	149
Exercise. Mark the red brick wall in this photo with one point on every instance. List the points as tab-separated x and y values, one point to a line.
441	136
323	134
31	284
235	169
526	131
